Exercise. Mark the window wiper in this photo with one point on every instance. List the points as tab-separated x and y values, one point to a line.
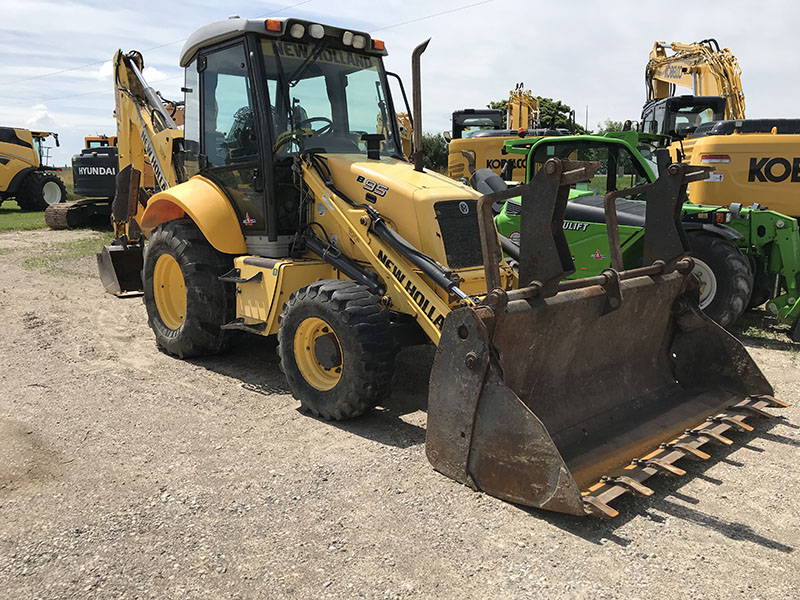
300	71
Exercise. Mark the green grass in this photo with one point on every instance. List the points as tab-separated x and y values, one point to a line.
51	256
12	218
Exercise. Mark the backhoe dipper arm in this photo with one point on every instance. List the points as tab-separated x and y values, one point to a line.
148	138
145	127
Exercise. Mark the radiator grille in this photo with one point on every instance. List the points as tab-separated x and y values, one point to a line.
458	222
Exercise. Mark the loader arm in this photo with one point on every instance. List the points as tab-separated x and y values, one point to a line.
407	290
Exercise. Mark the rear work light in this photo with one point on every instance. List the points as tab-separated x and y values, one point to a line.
708	159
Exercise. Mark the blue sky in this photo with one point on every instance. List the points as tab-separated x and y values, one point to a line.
585	53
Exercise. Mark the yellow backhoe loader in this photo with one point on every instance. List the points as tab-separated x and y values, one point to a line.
24	176
286	207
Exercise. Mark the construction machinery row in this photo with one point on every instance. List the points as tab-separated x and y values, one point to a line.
752	159
286	206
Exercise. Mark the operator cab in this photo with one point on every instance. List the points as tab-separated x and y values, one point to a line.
619	169
259	93
679	116
471	120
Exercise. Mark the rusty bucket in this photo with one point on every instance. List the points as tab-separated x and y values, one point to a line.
563	395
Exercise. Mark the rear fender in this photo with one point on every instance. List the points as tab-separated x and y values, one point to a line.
206	205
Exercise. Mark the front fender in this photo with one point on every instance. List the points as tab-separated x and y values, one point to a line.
723	231
206	205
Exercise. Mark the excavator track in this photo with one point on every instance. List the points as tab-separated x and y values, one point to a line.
69	215
662	461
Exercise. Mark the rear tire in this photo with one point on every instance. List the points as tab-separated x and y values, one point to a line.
187	323
726	280
336	349
40	190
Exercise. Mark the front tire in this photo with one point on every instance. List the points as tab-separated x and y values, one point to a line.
725	277
336	349
187	304
40	190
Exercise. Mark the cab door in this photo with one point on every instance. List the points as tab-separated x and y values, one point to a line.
230	139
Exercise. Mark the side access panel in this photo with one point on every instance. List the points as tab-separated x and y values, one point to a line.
263	285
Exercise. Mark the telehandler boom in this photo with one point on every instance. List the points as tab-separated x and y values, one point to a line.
299	216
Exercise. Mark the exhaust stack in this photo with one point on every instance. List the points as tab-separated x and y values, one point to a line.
416	81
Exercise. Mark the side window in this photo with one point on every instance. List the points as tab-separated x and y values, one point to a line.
228	135
361	102
191	130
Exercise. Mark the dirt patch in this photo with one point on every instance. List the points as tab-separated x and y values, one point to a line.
125	473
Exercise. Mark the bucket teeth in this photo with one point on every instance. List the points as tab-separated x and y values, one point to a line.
661	466
661	461
597	508
734	421
757	408
771	401
689	451
629	484
711	435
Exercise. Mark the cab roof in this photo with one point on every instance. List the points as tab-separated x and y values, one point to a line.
220	31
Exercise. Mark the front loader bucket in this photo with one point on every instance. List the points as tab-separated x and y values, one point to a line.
568	394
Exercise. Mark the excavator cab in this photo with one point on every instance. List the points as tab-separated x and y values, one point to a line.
679	116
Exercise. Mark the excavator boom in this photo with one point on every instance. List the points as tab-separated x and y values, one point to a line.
703	67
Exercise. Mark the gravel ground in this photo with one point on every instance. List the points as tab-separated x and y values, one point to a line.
125	473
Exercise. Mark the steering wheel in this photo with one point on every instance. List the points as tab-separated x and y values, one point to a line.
324	129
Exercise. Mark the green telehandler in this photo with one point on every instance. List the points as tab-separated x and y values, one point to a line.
744	256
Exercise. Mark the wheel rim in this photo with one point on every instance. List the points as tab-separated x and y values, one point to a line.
51	192
318	354
169	291
707	280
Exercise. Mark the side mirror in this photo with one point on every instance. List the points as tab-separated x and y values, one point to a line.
447	137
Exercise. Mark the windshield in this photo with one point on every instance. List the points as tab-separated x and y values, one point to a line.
687	118
326	99
618	168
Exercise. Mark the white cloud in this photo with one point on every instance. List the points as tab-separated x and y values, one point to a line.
41	119
152	75
105	72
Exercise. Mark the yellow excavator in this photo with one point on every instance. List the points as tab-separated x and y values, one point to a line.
24	176
703	67
286	207
481	133
753	160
